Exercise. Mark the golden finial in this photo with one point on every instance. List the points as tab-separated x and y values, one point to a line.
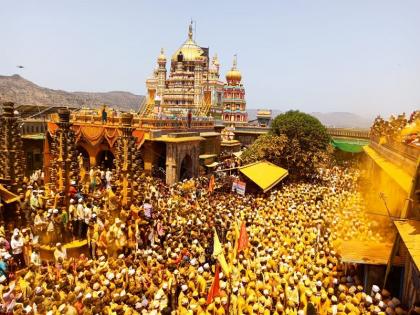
235	61
161	51
190	30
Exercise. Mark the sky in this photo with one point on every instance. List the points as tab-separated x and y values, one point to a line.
360	56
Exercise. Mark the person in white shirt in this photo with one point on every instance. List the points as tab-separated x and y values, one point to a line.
87	216
35	257
108	177
60	253
80	217
16	243
73	217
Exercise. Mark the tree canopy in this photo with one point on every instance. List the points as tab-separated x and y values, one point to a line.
297	142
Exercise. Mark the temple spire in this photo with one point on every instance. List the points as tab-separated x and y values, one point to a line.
235	61
190	30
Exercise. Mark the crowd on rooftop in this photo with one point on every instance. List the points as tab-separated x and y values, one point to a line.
399	128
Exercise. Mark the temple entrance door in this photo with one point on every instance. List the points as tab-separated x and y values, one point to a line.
186	171
85	155
105	160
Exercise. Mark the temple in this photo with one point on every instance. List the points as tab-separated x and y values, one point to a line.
234	104
193	84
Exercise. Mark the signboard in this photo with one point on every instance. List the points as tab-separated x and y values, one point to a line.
238	187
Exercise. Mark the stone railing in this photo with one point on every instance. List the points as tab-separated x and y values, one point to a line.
140	122
409	152
349	133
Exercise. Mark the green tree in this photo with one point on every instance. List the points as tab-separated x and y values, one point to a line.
266	147
297	142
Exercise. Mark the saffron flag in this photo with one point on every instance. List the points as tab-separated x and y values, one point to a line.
218	254
211	184
243	241
215	286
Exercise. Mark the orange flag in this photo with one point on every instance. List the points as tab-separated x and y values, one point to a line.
243	241
211	184
215	286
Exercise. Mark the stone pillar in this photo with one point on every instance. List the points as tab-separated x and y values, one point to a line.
12	157
64	167
125	159
171	164
148	157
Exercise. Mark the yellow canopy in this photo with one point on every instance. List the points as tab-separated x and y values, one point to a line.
397	174
7	196
365	252
409	232
265	174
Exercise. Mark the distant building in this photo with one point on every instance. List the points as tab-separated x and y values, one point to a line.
234	104
264	117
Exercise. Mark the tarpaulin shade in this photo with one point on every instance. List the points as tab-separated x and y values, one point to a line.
351	146
265	174
365	252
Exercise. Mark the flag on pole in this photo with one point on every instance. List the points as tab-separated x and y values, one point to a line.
211	184
236	229
215	286
243	241
218	254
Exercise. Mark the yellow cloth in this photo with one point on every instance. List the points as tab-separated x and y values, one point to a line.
218	253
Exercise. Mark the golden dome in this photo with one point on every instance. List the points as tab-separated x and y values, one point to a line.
234	75
190	50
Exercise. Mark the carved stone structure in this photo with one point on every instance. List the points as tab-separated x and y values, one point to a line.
125	159
12	158
64	167
182	157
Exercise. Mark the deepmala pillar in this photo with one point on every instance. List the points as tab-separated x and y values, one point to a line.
64	167
12	157
125	160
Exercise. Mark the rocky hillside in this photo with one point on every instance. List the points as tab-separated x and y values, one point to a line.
21	91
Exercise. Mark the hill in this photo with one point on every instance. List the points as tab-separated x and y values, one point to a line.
332	119
24	92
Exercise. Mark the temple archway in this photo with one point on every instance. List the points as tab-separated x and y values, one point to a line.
105	159
186	169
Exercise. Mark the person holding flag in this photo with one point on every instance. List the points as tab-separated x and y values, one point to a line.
211	184
219	255
215	286
243	240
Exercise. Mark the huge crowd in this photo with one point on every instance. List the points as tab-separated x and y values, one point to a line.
156	256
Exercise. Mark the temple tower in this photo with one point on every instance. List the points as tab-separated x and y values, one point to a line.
234	104
161	74
12	157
